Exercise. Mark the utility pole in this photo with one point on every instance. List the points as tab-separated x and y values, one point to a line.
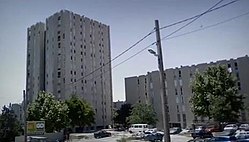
164	100
24	111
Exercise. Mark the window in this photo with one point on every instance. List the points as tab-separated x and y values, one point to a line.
178	117
236	66
184	117
59	45
181	91
237	75
177	101
59	38
176	91
180	82
177	108
183	108
137	81
180	73
175	82
63	36
59	74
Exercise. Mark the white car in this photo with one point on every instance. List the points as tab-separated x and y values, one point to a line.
231	127
242	134
135	128
244	127
154	130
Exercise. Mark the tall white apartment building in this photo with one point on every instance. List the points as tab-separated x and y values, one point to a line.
35	60
146	89
77	61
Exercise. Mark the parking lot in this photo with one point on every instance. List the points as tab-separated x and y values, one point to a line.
118	135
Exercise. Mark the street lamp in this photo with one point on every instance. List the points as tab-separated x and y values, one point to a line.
164	101
152	52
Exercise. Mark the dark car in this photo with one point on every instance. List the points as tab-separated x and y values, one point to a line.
201	134
223	139
101	134
154	137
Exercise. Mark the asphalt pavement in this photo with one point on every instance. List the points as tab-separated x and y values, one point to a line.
118	135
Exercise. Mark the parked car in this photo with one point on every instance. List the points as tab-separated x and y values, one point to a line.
138	128
201	134
186	131
101	134
139	135
242	134
175	130
154	130
213	128
154	137
231	126
244	127
223	139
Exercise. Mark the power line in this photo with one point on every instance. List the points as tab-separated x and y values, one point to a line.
207	27
203	28
192	20
147	35
182	21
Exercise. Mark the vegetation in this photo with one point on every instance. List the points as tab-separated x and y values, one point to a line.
58	115
9	125
45	107
215	95
122	114
80	112
143	113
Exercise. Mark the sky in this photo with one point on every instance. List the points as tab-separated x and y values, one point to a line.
129	21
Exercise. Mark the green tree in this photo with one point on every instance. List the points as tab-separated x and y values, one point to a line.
142	113
45	107
122	114
215	95
9	125
80	112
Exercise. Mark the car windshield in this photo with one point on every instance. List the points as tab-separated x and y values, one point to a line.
230	126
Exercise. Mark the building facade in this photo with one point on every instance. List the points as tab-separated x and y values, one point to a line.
77	59
35	60
146	89
18	111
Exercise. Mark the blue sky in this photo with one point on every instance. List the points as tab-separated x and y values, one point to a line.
129	21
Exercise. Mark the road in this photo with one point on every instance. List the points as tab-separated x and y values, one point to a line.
118	135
